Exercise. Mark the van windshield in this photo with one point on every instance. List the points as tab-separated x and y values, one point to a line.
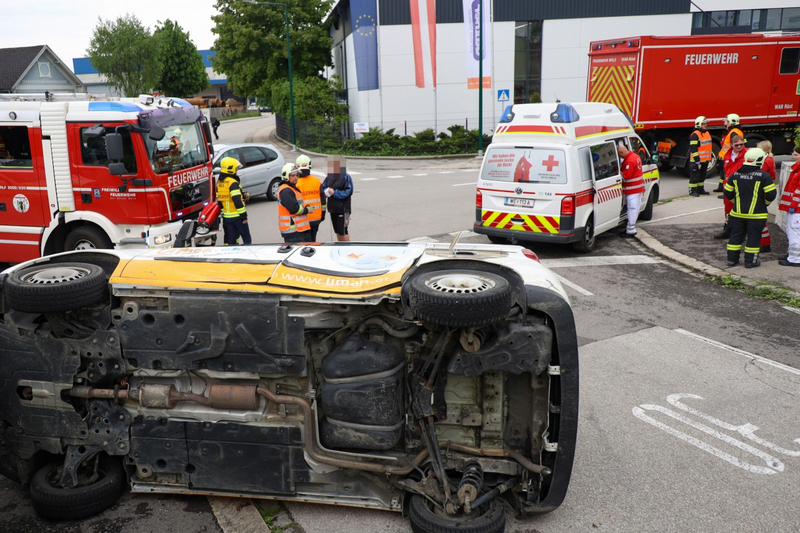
527	165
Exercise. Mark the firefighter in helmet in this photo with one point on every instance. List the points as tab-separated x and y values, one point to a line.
232	203
701	154
731	123
751	190
175	141
313	195
292	214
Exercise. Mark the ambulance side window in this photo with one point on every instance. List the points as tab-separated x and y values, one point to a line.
585	159
637	146
605	160
15	148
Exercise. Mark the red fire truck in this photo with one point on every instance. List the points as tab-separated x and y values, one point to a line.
79	173
664	83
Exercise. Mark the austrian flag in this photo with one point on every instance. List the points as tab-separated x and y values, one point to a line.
423	30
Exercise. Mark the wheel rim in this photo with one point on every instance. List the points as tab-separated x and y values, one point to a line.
84	244
455	283
274	189
52	275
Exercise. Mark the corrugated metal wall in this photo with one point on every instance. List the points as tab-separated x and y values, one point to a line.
398	12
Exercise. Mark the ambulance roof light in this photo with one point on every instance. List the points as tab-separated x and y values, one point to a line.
508	114
564	113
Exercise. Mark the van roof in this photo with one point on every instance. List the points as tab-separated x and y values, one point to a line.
560	122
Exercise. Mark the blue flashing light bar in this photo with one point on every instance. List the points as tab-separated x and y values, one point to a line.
508	114
127	107
564	114
181	102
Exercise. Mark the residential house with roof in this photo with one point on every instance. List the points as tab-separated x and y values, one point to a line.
36	69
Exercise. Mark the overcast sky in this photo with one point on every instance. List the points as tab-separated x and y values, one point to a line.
66	26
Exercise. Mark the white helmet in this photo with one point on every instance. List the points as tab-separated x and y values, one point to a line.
733	119
699	121
287	170
755	156
303	162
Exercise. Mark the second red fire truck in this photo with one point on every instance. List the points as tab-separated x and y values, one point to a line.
82	173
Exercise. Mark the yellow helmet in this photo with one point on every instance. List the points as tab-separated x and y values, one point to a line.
699	121
733	119
229	165
287	170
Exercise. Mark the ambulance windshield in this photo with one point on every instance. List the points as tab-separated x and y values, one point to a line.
182	147
529	165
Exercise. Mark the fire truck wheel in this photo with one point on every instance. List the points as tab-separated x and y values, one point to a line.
425	518
92	495
587	242
87	238
459	298
55	287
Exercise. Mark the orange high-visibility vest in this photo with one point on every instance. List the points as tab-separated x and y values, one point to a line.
291	222
726	143
703	149
309	187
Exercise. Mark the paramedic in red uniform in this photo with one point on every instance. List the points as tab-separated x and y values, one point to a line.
632	186
731	123
734	159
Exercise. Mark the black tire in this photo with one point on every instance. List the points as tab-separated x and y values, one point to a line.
459	298
55	287
647	213
589	239
498	240
272	190
714	164
491	518
57	503
664	165
87	238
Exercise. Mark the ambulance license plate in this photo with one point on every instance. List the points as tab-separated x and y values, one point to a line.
519	202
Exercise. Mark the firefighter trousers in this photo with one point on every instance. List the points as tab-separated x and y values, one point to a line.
697	175
741	228
233	228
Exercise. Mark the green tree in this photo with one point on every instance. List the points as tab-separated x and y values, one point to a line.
251	43
182	70
124	52
315	99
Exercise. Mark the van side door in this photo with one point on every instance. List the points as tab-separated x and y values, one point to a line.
607	186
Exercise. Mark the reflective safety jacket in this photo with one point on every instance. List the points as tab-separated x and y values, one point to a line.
291	212
791	191
751	190
229	197
700	146
726	142
632	180
313	197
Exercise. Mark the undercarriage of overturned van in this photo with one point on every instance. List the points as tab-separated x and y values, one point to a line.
356	403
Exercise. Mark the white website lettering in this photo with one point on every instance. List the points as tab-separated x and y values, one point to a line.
176	180
333	282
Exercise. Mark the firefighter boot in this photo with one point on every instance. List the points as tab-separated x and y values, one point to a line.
693	192
751	261
725	234
733	258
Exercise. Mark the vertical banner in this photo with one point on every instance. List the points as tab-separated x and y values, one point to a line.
423	30
472	29
364	21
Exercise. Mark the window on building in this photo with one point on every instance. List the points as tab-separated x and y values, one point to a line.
791	19
527	61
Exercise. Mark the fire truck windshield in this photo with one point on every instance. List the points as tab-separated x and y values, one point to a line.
182	147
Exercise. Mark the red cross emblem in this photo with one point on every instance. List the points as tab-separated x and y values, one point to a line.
550	163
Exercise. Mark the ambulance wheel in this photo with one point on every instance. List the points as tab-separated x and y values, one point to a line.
587	242
459	298
272	190
647	213
87	238
55	287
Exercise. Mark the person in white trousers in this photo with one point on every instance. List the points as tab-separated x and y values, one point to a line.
790	202
632	186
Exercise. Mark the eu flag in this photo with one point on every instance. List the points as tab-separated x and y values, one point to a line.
364	21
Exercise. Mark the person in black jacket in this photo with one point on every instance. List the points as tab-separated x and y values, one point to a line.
751	190
338	187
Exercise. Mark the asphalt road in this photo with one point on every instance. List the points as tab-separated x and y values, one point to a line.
687	423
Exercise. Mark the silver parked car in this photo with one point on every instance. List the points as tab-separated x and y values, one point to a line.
261	166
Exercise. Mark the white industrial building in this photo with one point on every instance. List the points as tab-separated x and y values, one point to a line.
532	47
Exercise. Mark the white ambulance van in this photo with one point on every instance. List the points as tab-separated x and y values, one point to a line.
552	174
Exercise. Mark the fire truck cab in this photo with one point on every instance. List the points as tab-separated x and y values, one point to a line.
552	174
79	172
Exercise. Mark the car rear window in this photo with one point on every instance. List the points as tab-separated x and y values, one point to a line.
527	165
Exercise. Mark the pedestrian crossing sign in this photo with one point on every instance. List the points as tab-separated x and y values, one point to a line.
502	95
